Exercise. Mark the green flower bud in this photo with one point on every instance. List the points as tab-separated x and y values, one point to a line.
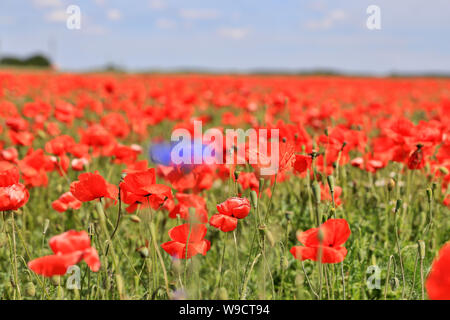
223	294
316	191
398	205
421	247
330	180
30	289
429	195
135	218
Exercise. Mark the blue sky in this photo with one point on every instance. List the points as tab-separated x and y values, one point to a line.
237	35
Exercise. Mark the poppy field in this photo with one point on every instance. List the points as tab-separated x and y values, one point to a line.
92	207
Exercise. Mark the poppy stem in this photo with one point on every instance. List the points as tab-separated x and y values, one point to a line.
400	256
119	213
388	275
14	253
309	282
221	263
186	254
161	261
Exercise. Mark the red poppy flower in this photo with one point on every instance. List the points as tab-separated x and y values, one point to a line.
92	186
186	201
302	163
336	233
438	282
69	248
66	201
237	207
190	236
13	194
141	188
416	159
229	212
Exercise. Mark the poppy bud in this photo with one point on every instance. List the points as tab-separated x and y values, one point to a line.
236	175
421	247
119	284
60	293
269	237
429	195
30	289
46	224
326	132
316	191
394	283
240	190
135	218
223	294
330	180
284	262
56	280
443	170
391	184
261	185
398	205
254	198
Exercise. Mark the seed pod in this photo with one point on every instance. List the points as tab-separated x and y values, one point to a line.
391	184
254	198
223	294
316	191
330	180
135	218
421	247
398	205
30	289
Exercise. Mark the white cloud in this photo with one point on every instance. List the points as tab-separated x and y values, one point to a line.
328	21
47	3
163	23
56	16
199	14
157	4
114	14
233	33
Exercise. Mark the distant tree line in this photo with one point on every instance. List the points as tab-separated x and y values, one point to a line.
37	60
